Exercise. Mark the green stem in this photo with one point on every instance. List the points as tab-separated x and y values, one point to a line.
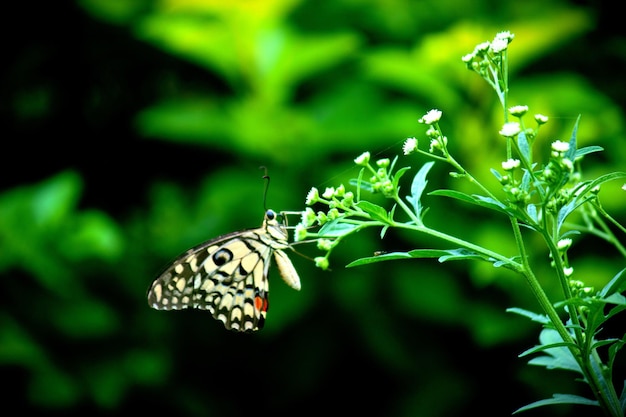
590	365
535	286
610	237
486	253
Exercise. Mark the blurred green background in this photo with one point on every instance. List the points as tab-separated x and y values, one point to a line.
134	130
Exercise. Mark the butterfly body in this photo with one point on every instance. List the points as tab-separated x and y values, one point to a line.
228	276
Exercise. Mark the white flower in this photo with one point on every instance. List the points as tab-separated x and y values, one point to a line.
363	159
518	110
624	187
312	197
467	58
308	217
329	192
410	145
431	117
481	47
559	146
510	164
541	119
506	35
299	233
510	129
434	144
564	244
498	45
568	271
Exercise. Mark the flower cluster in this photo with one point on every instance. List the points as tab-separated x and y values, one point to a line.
553	178
489	60
339	201
435	136
512	129
344	214
485	51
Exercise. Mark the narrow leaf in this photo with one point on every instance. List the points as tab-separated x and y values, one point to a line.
616	285
587	149
539	318
531	210
559	399
428	253
542	348
460	254
557	355
481	201
376	212
525	185
360	184
613	349
335	228
384	257
571	152
604	342
581	199
524	147
398	175
418	186
414	254
491	203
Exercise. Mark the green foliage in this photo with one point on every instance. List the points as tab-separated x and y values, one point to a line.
149	120
540	196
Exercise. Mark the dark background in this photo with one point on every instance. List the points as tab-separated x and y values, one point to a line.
134	130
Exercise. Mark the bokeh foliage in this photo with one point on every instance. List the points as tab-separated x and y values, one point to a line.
138	131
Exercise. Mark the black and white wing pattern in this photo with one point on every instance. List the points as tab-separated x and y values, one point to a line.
228	276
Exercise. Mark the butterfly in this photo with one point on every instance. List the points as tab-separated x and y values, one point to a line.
228	275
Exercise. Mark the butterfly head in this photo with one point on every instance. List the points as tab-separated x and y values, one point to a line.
275	224
270	215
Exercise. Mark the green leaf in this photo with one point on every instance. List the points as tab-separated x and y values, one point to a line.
539	318
496	174
336	228
524	147
418	186
398	175
379	258
542	348
558	399
461	254
613	349
604	342
376	212
571	152
362	185
443	255
557	355
525	184
417	253
531	210
616	285
621	305
581	198
455	194
587	149
481	201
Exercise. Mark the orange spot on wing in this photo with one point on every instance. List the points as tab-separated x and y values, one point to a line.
261	303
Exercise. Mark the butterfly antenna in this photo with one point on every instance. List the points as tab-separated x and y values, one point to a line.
267	186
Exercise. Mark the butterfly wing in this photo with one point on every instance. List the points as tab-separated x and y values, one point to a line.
226	275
